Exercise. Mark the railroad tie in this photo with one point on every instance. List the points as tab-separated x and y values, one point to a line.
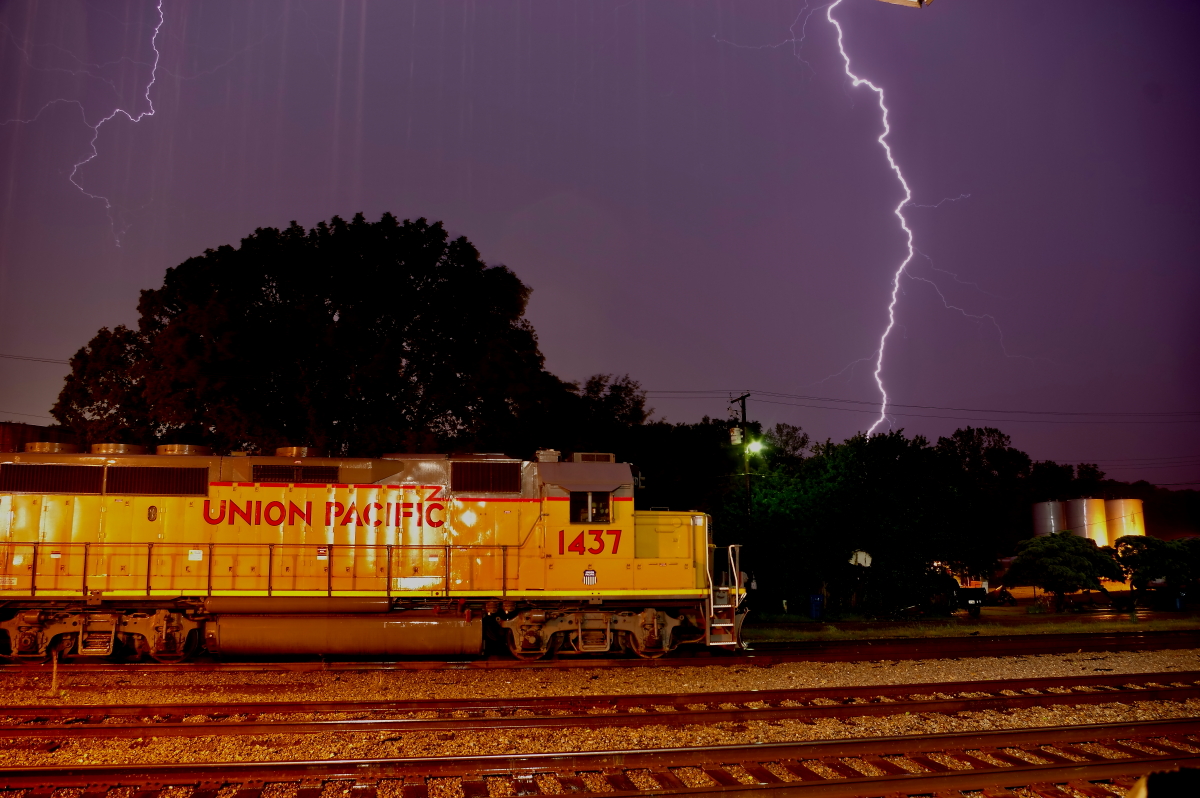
364	790
571	782
666	779
1121	748
720	776
761	774
1089	789
801	771
524	784
975	762
1055	759
1074	750
885	766
841	768
1004	757
931	765
209	789
1173	747
1047	790
414	787
476	787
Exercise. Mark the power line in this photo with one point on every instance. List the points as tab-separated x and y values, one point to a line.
1166	465
31	415
36	360
1162	458
974	418
714	394
664	395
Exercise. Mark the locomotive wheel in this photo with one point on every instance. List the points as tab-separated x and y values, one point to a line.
524	656
185	653
629	643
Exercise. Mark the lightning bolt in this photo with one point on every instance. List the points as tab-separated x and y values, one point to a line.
118	111
796	42
944	200
856	81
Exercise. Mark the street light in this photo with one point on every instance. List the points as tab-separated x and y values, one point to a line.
755	446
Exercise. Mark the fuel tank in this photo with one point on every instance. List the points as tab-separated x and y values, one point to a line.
398	634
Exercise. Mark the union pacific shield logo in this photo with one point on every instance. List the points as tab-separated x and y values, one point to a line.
589	577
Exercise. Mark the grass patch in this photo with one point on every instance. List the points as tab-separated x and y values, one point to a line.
954	627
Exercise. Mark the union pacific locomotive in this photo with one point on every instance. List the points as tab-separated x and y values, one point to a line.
164	555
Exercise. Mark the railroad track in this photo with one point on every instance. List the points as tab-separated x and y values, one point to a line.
1037	758
761	654
808	704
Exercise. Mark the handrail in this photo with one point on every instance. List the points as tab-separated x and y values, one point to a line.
735	570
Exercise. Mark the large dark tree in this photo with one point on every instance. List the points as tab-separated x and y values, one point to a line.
357	337
987	479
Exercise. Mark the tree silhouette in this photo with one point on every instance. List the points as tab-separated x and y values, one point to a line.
356	337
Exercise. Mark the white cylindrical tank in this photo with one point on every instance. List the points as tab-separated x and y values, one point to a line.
1048	518
1085	518
1124	517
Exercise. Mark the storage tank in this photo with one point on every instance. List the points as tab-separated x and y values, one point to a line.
1124	517
1048	518
1085	518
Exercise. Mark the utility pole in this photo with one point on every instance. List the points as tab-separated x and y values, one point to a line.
745	451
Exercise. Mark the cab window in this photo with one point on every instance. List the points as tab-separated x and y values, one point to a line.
589	507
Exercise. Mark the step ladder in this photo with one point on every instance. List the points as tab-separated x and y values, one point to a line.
723	600
722	623
591	637
98	642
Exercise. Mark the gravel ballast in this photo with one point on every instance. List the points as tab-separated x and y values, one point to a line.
46	752
143	688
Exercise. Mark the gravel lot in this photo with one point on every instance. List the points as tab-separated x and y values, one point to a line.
154	688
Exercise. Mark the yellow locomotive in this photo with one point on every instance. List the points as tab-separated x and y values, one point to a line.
164	554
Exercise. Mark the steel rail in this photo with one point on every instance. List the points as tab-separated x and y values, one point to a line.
616	710
759	654
1133	748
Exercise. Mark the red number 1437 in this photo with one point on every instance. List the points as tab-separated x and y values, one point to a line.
580	544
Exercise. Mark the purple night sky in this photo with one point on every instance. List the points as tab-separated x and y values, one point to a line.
692	189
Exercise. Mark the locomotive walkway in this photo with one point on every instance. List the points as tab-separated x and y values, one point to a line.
1084	758
678	709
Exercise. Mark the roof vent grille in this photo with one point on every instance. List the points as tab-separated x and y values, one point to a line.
294	473
485	477
593	457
